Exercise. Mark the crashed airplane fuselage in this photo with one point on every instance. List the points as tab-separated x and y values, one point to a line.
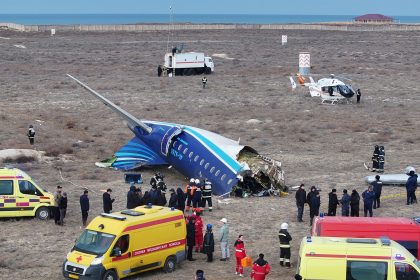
194	152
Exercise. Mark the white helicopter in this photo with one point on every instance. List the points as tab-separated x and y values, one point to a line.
331	90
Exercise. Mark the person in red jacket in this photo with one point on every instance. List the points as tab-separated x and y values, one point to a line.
240	253
198	231
260	268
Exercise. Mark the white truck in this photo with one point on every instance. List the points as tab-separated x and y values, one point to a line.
186	64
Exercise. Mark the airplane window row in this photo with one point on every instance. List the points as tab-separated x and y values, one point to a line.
202	161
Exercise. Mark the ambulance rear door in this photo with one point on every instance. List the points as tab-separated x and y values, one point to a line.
7	197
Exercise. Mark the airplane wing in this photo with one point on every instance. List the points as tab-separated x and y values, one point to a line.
132	121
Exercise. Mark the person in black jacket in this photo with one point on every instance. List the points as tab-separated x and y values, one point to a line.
208	242
106	198
160	198
84	206
62	206
411	186
354	203
31	134
181	199
314	201
377	189
132	198
332	203
190	238
300	201
173	200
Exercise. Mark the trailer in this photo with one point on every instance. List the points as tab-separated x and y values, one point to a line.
186	64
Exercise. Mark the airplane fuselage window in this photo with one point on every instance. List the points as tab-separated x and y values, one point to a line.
202	162
190	155
212	169
230	181
185	151
179	147
217	173
176	142
196	158
223	177
207	165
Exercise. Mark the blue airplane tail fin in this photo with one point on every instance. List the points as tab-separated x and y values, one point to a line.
132	155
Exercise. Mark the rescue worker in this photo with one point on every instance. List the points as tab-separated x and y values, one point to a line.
181	199
190	190
196	199
358	95
381	159
107	201
56	209
153	194
330	91
159	70
204	81
190	238
240	253
411	186
208	242
63	208
198	231
377	189
354	203
285	239
375	158
173	200
224	239
31	134
314	200
332	203
206	193
300	201
157	177
368	198
345	204
84	206
260	268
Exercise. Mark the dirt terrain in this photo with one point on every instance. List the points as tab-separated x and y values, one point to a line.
321	145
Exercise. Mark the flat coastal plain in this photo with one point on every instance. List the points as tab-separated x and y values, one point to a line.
321	145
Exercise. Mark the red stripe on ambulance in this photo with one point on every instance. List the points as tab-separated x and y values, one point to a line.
153	223
21	204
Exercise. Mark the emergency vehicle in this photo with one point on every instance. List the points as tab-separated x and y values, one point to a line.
335	258
402	230
20	196
124	243
187	63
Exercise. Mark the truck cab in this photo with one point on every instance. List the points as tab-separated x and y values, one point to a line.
208	61
20	196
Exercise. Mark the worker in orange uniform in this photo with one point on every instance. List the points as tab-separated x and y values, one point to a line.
190	190
198	231
260	268
240	253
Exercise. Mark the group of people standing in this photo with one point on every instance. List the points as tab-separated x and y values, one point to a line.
350	204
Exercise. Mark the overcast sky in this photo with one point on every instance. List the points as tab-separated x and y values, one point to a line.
288	7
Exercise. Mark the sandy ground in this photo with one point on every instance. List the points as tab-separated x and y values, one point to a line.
318	145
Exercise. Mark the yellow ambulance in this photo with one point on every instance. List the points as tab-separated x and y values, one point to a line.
333	258
124	243
21	197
